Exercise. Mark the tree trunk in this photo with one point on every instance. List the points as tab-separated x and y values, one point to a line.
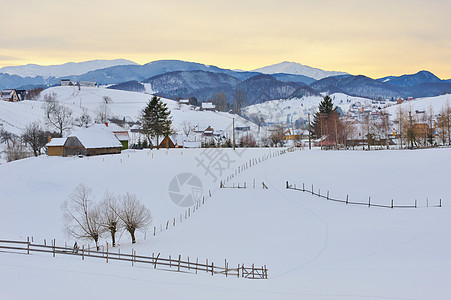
113	238
132	234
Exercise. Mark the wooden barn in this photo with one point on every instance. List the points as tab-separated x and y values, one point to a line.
56	147
90	141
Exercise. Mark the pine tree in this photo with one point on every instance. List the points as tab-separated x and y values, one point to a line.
156	120
325	110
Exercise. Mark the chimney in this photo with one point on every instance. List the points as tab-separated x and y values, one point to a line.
50	138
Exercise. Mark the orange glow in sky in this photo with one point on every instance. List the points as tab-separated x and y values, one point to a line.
374	38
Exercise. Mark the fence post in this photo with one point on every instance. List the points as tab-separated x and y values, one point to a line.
303	189
440	203
225	265
54	241
28	245
197	263
238	271
212	268
415	203
369	201
327	195
391	203
347	198
106	252
266	273
178	267
156	258
83	252
287	184
132	257
253	272
312	189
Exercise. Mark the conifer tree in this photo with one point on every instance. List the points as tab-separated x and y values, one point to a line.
325	110
156	120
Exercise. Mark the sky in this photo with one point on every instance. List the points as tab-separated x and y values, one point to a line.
373	38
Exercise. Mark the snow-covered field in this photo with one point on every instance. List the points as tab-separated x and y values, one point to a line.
313	248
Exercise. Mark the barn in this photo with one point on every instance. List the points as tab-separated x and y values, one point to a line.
89	141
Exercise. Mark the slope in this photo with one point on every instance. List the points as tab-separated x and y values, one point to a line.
314	248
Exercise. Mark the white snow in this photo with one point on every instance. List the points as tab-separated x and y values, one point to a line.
290	110
297	69
314	248
71	68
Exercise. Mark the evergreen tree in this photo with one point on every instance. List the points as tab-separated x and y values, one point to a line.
325	110
156	120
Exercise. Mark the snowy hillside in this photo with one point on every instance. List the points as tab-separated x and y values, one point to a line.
290	110
297	69
421	104
15	116
313	248
66	69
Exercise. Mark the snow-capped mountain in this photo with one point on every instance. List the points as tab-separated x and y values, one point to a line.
297	69
71	68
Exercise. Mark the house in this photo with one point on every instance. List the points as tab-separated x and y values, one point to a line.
120	133
67	82
56	147
208	132
208	106
89	141
88	83
12	95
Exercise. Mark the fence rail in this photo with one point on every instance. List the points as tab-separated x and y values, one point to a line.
155	261
366	203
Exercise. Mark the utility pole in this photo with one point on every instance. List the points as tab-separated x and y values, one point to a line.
233	133
309	134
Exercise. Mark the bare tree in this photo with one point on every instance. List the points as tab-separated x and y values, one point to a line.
103	113
220	100
239	97
57	115
133	214
35	137
109	218
85	119
107	99
187	128
277	135
82	217
15	149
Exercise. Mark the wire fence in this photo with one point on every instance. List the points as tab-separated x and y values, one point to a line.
155	261
369	202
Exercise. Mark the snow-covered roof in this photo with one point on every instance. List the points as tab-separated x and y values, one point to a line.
208	105
122	136
95	137
57	142
111	127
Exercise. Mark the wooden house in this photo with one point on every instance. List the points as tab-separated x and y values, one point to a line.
56	147
9	95
208	106
89	141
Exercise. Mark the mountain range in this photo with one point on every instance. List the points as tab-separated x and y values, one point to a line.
181	79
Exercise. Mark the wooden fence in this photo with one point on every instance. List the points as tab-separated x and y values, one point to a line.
155	261
364	203
249	164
